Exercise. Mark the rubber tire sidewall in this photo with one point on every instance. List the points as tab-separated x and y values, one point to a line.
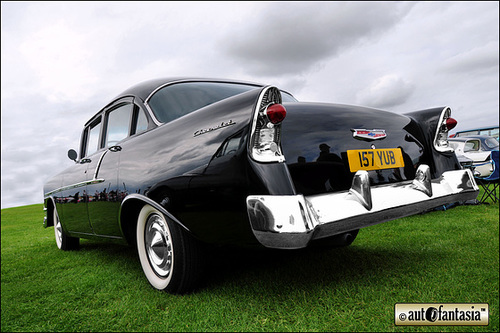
155	280
59	240
65	242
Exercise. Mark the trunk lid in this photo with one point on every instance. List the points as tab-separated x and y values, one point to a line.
316	139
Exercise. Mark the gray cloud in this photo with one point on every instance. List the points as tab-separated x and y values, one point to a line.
63	61
482	58
291	38
386	92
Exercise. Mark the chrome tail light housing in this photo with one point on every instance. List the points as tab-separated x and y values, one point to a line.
265	139
445	124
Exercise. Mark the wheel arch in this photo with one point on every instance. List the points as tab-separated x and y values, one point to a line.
49	211
129	212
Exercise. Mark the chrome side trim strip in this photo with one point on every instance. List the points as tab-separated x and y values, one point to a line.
69	187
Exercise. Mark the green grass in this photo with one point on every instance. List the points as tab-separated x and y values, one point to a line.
439	257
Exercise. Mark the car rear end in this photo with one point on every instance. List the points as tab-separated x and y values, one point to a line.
349	167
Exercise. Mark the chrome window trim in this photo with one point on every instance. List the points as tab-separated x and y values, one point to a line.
146	101
153	116
151	113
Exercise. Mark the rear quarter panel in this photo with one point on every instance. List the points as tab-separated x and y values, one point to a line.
182	161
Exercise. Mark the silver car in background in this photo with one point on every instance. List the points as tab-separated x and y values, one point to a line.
477	149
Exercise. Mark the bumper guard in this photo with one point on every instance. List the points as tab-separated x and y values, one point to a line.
292	221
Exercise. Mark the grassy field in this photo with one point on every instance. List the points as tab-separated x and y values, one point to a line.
439	257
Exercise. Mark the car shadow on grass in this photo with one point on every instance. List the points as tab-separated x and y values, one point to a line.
274	270
310	268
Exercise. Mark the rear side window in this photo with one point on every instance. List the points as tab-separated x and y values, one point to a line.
177	100
118	124
141	122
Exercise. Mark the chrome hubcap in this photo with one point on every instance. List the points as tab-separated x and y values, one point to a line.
158	245
58	229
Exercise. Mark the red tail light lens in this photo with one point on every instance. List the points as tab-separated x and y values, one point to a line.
276	113
450	123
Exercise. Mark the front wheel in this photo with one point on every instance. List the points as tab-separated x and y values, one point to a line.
63	241
169	256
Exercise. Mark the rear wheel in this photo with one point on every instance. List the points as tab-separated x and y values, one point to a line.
63	241
169	256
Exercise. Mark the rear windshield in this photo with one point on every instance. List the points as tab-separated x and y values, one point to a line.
177	100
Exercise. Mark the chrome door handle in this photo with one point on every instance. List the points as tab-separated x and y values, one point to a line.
115	148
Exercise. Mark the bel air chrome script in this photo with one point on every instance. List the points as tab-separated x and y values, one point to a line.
210	129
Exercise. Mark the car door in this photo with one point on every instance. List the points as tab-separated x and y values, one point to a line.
104	188
74	196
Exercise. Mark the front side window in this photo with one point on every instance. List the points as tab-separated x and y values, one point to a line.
177	100
118	124
93	137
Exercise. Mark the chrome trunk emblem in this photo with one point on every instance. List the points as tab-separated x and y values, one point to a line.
369	135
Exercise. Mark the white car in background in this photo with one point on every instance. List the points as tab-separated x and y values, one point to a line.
478	149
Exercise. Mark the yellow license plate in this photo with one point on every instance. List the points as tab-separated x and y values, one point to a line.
375	159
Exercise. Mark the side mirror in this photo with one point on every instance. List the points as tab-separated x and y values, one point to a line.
72	155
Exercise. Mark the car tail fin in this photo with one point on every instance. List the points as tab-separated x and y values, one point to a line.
265	138
445	124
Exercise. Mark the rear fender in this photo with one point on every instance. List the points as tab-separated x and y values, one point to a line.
49	206
429	120
129	212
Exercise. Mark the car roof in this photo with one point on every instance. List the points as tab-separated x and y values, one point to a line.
146	88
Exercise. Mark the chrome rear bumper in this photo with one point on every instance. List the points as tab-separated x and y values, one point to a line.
292	221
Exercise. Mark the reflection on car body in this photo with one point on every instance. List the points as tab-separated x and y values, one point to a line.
171	164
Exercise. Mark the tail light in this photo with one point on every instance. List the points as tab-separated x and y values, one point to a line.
450	123
265	143
275	113
445	124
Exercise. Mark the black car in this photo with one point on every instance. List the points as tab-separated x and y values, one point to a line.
171	165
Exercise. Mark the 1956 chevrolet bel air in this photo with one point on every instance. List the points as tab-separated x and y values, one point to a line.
172	164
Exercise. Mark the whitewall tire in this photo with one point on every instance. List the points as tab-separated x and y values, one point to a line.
169	256
63	241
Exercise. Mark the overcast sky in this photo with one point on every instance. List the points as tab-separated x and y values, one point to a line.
63	61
